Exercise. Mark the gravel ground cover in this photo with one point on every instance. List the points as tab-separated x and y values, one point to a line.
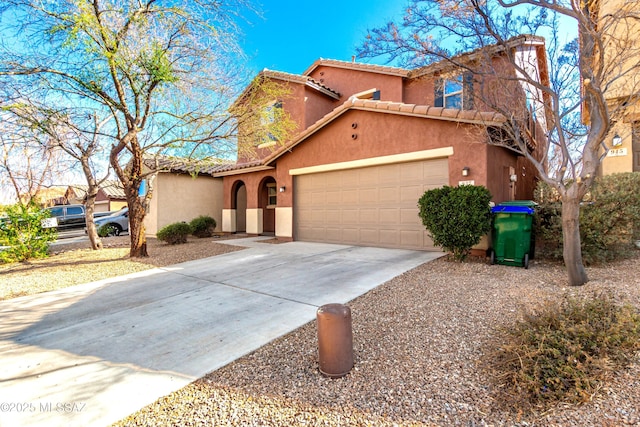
75	263
419	344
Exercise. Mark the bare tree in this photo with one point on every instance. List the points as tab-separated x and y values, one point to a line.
26	166
62	132
583	70
163	71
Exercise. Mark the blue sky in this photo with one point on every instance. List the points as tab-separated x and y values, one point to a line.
291	35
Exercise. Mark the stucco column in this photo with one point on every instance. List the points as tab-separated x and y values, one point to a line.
229	220
284	222
254	221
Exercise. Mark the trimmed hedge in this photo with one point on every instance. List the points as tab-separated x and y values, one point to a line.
456	217
203	226
175	233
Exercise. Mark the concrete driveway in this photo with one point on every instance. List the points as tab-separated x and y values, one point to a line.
94	353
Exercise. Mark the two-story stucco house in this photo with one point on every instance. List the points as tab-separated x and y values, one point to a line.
370	140
618	21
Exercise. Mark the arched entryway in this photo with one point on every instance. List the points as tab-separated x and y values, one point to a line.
239	203
267	201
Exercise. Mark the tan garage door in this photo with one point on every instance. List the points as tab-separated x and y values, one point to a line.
372	206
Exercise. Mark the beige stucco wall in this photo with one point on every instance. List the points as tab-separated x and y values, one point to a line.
620	158
179	197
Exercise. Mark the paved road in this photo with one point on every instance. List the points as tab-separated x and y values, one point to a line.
94	353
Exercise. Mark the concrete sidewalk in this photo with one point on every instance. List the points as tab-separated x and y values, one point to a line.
94	353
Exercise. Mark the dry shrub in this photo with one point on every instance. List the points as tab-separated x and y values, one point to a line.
564	352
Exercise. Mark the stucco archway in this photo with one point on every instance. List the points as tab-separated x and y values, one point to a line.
239	203
267	197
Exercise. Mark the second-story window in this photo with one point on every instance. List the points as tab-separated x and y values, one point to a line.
272	114
452	92
455	91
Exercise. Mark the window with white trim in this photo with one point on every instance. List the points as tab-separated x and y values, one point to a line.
272	195
454	91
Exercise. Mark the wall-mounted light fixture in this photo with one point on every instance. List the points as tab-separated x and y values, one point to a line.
465	171
616	140
282	189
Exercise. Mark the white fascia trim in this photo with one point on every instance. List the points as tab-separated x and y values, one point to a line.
435	153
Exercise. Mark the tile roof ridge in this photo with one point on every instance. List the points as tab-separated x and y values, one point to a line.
384	69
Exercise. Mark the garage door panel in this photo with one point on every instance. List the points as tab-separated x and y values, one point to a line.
332	235
369	236
408	216
368	196
412	172
349	196
350	235
410	194
410	238
388	215
368	216
368	177
373	206
318	198
388	195
389	238
333	216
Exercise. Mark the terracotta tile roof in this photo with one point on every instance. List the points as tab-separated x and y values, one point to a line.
111	188
485	118
479	53
186	166
296	78
239	166
372	68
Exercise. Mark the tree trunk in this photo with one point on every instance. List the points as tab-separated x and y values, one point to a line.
137	231
92	231
571	248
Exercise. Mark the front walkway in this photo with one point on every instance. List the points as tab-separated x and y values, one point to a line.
94	353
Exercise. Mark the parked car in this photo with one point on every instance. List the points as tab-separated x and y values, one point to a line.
69	217
117	222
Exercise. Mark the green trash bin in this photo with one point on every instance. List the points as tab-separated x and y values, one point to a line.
512	235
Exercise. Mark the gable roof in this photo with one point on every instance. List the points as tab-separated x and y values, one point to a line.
302	79
483	118
479	53
290	78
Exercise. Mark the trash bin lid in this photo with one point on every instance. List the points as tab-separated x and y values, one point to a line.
512	209
529	203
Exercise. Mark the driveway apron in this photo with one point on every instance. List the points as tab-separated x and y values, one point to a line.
92	354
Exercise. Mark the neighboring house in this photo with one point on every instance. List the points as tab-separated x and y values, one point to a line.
622	53
371	139
110	196
183	190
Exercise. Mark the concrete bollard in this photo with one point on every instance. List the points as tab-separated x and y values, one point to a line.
335	340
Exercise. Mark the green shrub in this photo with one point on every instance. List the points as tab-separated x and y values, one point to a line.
203	226
174	233
22	231
609	219
456	217
106	230
564	352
